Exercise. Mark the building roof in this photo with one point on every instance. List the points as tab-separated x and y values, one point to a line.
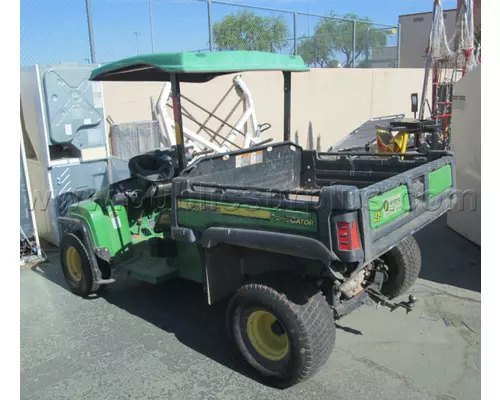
426	12
195	67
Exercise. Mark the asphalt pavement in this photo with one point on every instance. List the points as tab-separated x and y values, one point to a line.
141	341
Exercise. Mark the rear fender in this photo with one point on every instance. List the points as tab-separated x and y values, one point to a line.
282	243
234	255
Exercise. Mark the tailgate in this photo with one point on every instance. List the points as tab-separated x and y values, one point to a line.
399	206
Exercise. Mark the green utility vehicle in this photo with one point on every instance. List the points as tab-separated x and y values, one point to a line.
294	238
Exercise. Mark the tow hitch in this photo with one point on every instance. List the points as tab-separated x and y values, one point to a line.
373	293
380	299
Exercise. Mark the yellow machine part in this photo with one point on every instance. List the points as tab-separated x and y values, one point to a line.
387	143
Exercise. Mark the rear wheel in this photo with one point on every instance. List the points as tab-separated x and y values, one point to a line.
404	262
76	265
283	327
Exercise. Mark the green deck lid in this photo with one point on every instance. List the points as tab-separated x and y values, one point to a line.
195	67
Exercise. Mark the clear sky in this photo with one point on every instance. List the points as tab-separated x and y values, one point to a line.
56	30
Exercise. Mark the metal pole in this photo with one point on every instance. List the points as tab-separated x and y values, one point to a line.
294	34
353	43
308	18
91	32
137	33
179	133
287	75
367	45
209	13
428	65
399	47
316	50
151	27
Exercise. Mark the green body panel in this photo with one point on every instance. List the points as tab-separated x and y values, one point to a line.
439	181
388	206
211	63
109	227
202	214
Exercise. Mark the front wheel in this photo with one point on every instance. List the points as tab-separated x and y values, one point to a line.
283	327
76	265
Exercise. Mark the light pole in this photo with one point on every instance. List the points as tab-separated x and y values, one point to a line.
309	18
137	33
151	27
91	31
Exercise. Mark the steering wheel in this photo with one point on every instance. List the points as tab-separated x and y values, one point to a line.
154	168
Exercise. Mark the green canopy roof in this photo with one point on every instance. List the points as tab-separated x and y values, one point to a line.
195	67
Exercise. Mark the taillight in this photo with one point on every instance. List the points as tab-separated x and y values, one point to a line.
347	235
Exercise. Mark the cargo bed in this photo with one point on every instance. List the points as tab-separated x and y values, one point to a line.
390	197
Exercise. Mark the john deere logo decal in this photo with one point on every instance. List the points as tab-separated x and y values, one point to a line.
392	205
388	206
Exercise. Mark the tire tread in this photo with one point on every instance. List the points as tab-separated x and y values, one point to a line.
315	318
406	255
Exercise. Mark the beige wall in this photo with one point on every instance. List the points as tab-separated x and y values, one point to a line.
335	101
129	102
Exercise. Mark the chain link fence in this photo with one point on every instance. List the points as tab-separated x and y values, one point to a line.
53	31
382	46
105	30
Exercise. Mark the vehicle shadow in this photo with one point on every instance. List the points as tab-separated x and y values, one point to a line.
349	330
180	307
448	257
177	306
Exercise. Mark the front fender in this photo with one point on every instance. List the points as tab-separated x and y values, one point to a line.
108	225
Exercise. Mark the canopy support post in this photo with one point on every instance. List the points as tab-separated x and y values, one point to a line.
179	133
287	75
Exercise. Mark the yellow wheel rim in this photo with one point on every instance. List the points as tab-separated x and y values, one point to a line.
74	263
267	335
